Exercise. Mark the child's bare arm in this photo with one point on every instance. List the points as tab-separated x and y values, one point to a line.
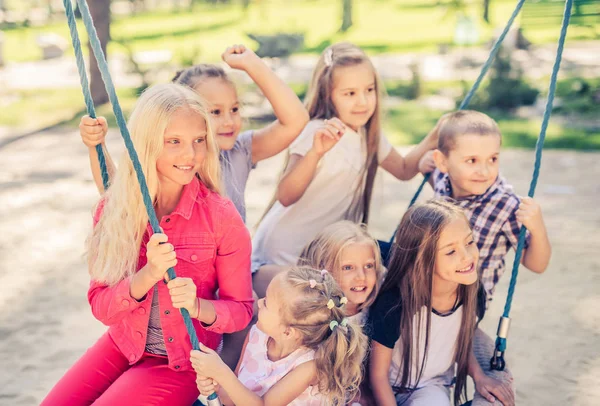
299	173
208	364
93	132
291	114
292	385
537	255
405	168
207	386
488	387
301	170
379	367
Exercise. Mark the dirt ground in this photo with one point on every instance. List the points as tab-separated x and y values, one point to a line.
46	324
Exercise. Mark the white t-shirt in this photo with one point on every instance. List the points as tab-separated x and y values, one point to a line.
384	324
285	231
439	365
360	318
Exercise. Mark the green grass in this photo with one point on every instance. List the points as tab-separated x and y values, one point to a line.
35	109
404	124
379	26
408	123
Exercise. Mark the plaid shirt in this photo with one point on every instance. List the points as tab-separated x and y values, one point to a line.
494	223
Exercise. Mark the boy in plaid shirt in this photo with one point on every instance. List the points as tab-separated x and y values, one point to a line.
467	170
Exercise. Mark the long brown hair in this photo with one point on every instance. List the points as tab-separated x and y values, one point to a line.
325	251
340	348
319	104
410	273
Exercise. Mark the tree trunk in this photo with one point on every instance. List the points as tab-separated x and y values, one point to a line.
486	11
100	11
346	15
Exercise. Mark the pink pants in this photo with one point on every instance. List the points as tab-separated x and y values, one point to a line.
103	377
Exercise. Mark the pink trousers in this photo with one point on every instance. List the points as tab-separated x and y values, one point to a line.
103	377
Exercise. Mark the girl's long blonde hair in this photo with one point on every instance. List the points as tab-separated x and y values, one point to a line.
320	105
340	348
410	274
325	251
113	244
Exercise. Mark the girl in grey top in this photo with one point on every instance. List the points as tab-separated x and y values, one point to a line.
239	152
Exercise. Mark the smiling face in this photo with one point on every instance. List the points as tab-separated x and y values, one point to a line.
184	149
226	119
472	164
357	274
354	94
457	254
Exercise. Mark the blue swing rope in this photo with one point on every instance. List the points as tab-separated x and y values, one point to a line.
497	361
89	103
110	89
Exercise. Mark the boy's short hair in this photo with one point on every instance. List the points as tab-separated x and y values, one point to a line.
465	122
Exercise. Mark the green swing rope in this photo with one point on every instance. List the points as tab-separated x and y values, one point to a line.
484	70
89	103
497	362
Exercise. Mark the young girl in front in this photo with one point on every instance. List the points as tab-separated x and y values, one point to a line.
352	255
423	321
302	351
355	261
332	164
239	153
144	357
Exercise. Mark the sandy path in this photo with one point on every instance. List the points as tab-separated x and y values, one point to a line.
45	322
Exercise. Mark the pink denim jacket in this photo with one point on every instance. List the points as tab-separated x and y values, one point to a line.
213	248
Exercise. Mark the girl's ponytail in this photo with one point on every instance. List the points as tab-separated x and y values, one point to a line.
339	362
340	345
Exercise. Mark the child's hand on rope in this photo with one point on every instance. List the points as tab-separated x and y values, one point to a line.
434	134
184	295
161	256
239	57
206	386
93	130
530	215
207	363
327	136
426	163
493	389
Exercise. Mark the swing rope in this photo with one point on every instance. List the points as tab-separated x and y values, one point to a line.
89	103
497	361
463	105
112	95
